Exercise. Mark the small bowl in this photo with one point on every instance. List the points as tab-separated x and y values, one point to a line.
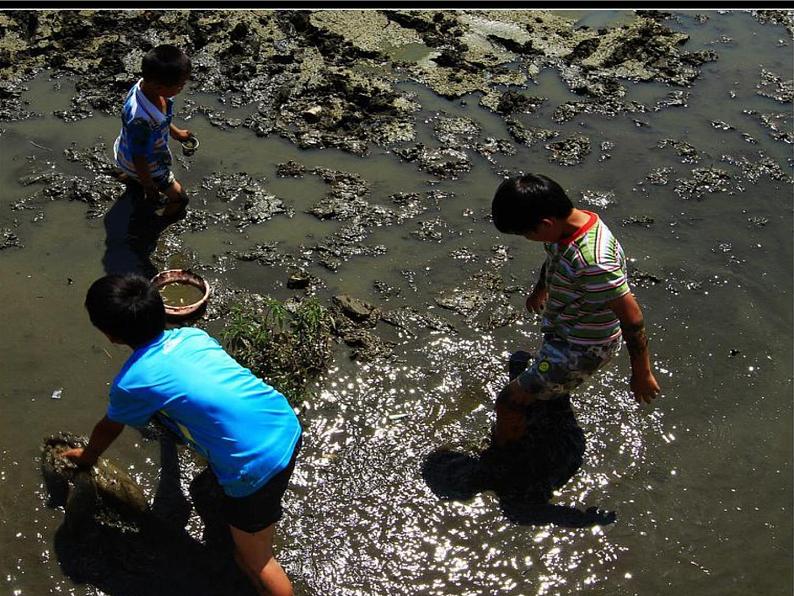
182	276
190	145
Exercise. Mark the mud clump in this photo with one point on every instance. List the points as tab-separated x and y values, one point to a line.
529	136
354	319
12	106
86	493
659	176
684	150
482	301
511	102
8	239
256	205
570	151
325	79
608	107
703	181
444	162
761	165
291	169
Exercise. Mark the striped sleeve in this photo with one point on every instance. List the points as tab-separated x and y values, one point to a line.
602	282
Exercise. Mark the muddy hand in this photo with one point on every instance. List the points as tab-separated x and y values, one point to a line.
78	456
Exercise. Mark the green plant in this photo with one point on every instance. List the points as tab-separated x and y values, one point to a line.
288	345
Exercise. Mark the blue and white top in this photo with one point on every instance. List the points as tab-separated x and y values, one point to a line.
245	428
144	131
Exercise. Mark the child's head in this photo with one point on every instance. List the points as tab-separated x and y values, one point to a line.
126	308
166	67
522	203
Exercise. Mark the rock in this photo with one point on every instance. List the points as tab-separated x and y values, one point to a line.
291	169
355	309
299	280
113	487
312	114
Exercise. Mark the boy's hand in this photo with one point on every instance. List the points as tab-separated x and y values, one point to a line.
79	456
644	386
536	301
180	134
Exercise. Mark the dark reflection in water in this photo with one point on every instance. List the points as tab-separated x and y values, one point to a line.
523	476
131	231
154	554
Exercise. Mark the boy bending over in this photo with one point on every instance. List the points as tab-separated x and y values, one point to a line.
582	294
244	428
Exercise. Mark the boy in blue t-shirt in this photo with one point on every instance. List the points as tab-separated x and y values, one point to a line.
245	428
141	149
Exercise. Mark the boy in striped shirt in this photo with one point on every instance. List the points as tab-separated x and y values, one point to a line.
141	149
582	294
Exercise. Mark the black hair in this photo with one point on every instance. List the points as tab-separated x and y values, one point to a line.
521	202
126	307
166	64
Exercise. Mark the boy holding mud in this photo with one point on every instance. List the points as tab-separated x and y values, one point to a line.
582	294
141	149
244	428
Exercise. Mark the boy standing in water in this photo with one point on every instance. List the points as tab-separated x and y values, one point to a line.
141	149
582	294
244	428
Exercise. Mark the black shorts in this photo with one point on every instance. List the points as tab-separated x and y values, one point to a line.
263	508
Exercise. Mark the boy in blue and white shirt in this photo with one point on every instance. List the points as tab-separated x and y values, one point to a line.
141	149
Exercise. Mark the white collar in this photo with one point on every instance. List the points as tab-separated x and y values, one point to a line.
151	110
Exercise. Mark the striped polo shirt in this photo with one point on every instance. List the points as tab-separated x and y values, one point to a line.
583	273
144	131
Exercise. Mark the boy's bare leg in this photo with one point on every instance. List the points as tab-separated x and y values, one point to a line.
510	417
254	554
177	199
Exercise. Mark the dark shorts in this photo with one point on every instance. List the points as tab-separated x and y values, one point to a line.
262	508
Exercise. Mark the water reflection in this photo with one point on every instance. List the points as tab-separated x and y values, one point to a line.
523	476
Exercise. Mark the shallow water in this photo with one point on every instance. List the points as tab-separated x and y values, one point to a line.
701	482
180	294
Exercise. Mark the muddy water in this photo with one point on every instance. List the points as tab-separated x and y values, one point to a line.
701	482
180	294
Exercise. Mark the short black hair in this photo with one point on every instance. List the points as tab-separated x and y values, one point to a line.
166	64
521	202
126	307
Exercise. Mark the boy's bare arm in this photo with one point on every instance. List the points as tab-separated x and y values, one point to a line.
643	383
104	433
179	134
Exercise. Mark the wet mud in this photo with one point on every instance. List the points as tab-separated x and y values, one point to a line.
349	157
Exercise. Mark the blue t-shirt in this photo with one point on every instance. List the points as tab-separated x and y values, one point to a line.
144	131
245	428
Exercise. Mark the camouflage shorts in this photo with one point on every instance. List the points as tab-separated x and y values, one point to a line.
560	366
